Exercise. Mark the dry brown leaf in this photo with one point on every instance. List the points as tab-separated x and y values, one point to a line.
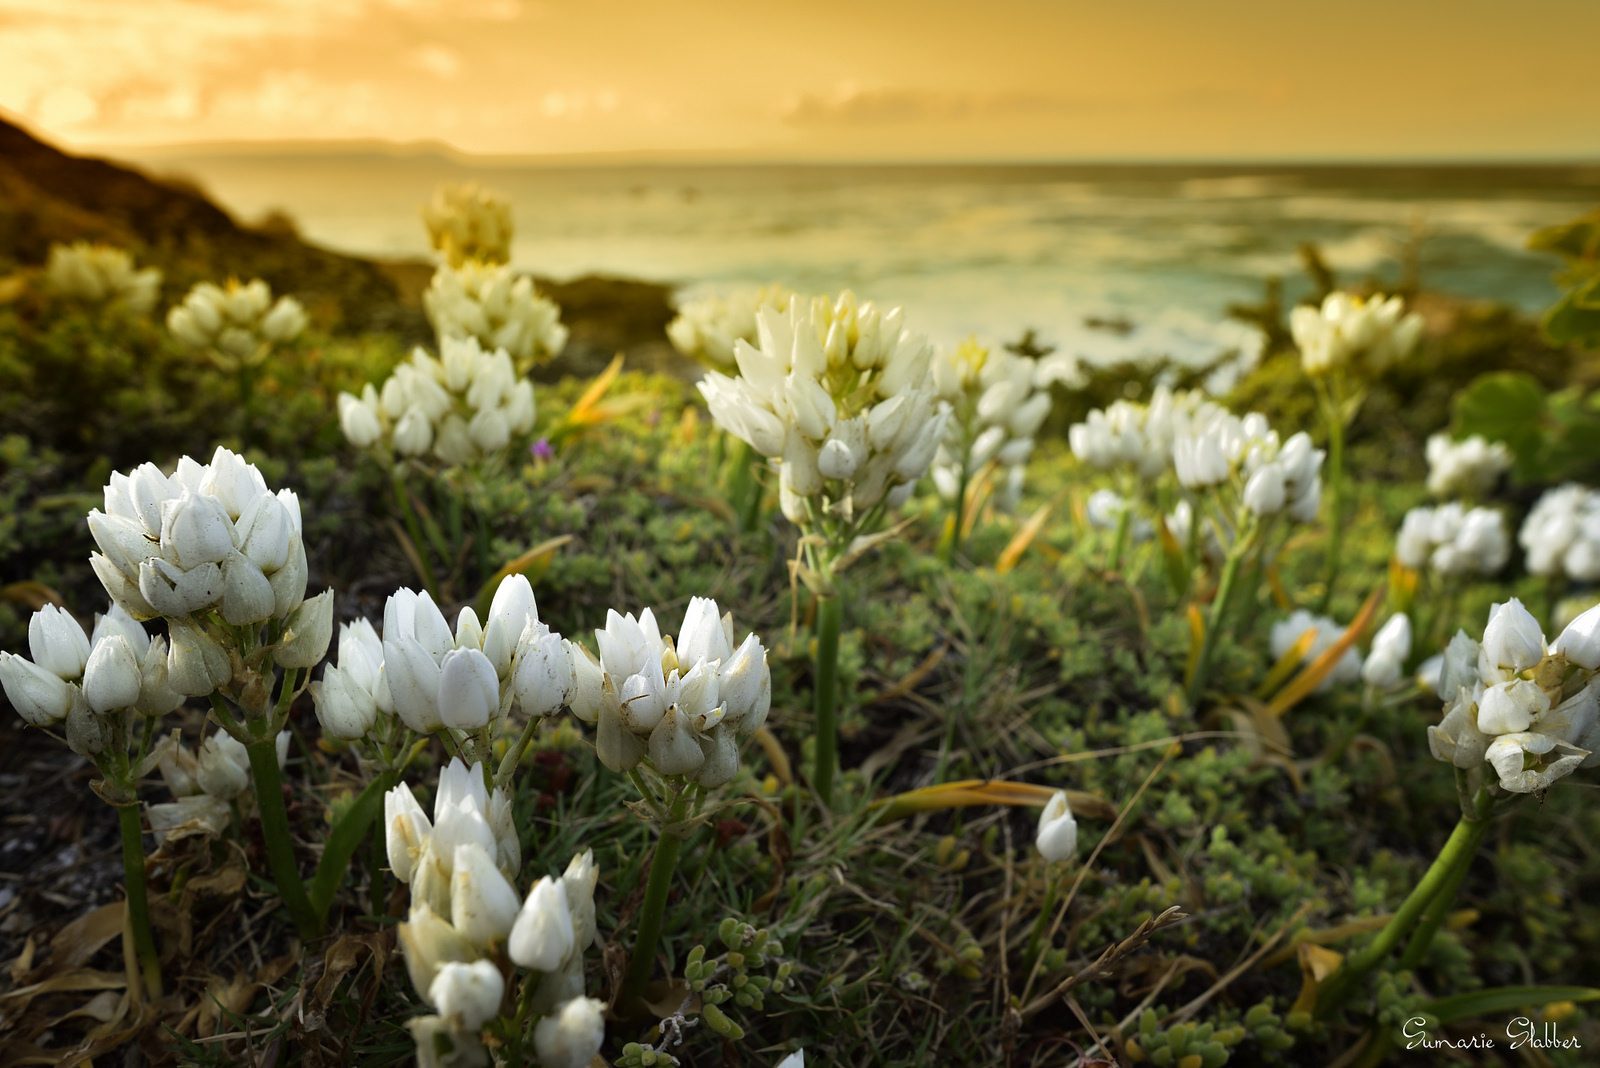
77	943
341	959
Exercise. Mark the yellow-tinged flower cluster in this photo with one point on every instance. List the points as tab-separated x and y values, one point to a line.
996	405
466	927
706	328
1528	711
465	406
682	706
1349	332
466	222
838	396
497	307
238	324
101	275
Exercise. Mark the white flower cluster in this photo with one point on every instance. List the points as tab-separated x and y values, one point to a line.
706	328
1532	713
203	781
1385	665
461	867
1273	476
1348	331
996	408
465	406
1466	468
499	308
81	679
1139	437
239	324
101	275
682	706
1452	539
466	222
433	679
209	538
1286	632
1104	510
838	397
1561	535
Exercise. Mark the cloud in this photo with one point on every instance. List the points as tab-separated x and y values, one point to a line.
438	61
854	105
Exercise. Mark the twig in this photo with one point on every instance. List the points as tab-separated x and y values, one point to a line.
1108	956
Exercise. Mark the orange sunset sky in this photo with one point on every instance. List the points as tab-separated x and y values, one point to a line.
871	79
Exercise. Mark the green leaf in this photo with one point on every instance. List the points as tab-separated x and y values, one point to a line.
1501	999
347	834
1575	318
1577	239
1508	406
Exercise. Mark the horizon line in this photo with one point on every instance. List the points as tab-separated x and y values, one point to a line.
446	153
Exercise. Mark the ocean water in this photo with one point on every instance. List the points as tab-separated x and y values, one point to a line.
985	250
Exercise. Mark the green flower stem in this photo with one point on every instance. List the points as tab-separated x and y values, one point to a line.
247	400
830	617
1335	500
1046	908
1442	877
275	831
408	518
755	493
642	961
343	841
513	757
144	942
1119	541
958	514
1438	909
377	857
1226	585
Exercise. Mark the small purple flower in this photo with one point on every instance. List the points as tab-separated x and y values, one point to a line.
541	449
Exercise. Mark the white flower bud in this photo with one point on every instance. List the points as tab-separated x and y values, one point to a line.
1512	639
172	591
197	664
1057	838
112	678
483	904
406	830
41	697
1580	641
57	642
87	733
572	1036
543	675
467	995
510	612
429	942
746	687
246	594
223	766
344	708
156	695
469	690
543	936
195	530
307	633
588	684
413	679
289	581
1530	762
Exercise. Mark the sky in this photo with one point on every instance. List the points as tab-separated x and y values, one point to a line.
824	80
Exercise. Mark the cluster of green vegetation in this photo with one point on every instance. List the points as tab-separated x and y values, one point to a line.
1220	858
